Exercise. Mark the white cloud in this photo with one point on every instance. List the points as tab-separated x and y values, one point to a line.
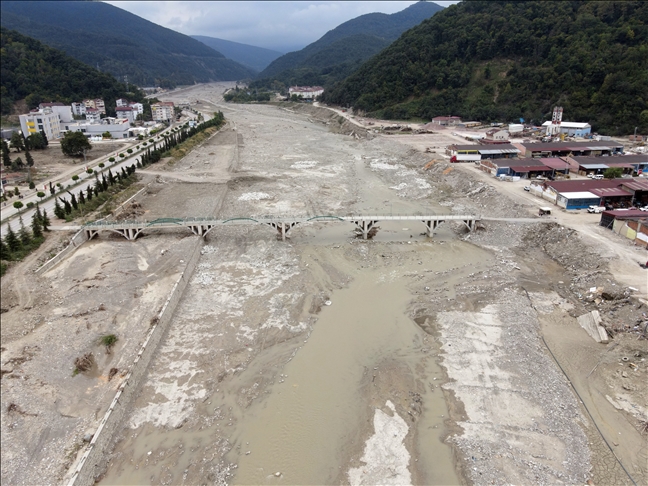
280	25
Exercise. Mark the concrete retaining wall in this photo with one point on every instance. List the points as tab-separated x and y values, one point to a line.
77	240
93	461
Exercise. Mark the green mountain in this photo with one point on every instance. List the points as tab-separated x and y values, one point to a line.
37	73
342	50
502	60
120	43
256	58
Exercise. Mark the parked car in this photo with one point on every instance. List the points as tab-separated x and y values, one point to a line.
527	188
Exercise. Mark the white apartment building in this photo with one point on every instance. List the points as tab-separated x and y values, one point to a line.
126	113
162	111
92	115
44	120
78	109
139	107
64	112
121	102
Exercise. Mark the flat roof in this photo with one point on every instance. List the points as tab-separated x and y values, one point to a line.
588	145
610	192
594	166
568	124
579	195
626	214
504	148
612	159
585	184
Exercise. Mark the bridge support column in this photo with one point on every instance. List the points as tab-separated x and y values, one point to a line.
365	226
130	234
91	233
471	224
431	226
283	227
200	229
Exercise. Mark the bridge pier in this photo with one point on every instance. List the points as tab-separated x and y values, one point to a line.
283	227
200	229
365	226
431	226
130	234
91	233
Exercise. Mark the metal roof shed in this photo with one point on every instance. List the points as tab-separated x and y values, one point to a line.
577	200
595	166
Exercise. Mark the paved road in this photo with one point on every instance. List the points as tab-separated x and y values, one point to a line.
10	215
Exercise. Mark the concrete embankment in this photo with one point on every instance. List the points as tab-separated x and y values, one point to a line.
93	462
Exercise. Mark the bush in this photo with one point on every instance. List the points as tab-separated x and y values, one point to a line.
130	151
30	205
40	194
111	159
122	155
18	205
74	178
89	171
108	340
58	184
32	185
144	144
102	165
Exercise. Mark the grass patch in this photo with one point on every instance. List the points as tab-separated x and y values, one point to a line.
188	145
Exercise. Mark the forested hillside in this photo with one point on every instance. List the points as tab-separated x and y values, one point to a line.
342	50
256	58
37	73
502	60
120	43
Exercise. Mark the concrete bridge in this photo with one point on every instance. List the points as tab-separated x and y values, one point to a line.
202	226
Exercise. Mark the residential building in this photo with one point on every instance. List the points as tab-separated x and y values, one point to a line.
571	129
121	102
64	112
126	113
162	111
138	107
497	134
92	115
44	120
306	92
78	109
97	104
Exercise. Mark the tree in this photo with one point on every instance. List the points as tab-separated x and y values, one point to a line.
613	172
18	205
45	221
29	159
12	240
5	253
73	200
106	134
59	212
18	163
75	144
6	159
36	226
17	141
44	137
40	194
23	233
81	197
51	189
89	192
36	141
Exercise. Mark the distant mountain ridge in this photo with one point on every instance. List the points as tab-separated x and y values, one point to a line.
256	58
502	60
37	73
121	43
352	42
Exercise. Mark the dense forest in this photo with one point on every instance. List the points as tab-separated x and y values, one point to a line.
342	50
32	71
505	60
120	43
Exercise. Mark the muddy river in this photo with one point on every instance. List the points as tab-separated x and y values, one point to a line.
300	362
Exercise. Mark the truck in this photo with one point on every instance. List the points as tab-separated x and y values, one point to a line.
596	209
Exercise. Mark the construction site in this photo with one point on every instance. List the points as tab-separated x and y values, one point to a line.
509	350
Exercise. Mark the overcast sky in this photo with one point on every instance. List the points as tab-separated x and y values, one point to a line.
281	26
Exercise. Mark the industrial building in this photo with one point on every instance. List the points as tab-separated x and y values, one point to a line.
564	149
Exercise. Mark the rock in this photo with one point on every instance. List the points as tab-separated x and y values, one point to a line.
591	323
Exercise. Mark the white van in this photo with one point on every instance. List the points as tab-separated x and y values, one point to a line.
595	176
596	209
